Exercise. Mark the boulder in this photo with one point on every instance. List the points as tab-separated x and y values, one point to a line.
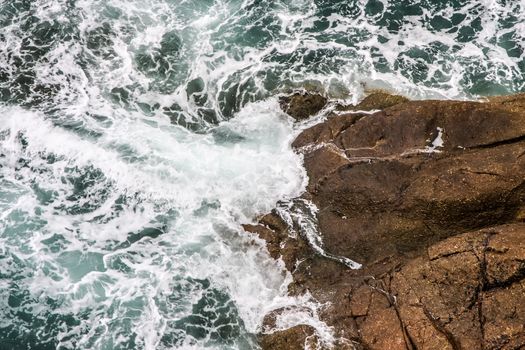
430	197
302	105
465	292
400	179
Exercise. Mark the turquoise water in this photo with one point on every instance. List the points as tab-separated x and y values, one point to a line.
137	136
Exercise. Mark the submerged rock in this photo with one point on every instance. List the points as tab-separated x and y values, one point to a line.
417	192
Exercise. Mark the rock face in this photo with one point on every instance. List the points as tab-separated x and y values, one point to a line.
430	197
468	292
377	100
414	174
295	338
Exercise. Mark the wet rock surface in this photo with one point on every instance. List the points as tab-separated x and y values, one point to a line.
430	197
377	100
302	105
295	338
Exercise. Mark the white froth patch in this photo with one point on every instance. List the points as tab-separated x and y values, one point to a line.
437	143
179	170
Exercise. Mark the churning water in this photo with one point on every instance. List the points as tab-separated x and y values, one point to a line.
137	136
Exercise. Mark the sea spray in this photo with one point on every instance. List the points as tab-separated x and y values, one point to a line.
137	136
130	247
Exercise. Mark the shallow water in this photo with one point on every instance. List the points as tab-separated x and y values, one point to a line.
137	136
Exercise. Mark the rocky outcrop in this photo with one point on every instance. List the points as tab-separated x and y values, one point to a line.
302	105
467	292
296	338
376	101
430	197
413	174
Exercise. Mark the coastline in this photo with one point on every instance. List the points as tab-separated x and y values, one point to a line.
429	196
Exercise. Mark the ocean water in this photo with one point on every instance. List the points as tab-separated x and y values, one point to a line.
136	137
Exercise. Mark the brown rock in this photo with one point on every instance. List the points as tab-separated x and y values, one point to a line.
383	189
379	100
325	132
414	125
295	338
503	312
430	196
448	298
451	288
504	258
381	328
280	242
302	105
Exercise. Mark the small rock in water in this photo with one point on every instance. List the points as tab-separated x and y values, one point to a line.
302	106
424	215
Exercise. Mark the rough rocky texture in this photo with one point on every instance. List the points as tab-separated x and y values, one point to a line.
376	100
383	188
302	105
438	225
296	338
469	289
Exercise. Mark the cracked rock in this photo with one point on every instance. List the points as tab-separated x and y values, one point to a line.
430	197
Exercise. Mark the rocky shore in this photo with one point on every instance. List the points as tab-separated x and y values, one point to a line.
429	196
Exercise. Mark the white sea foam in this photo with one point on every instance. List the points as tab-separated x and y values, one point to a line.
180	171
130	223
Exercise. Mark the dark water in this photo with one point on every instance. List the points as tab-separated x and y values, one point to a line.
136	137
